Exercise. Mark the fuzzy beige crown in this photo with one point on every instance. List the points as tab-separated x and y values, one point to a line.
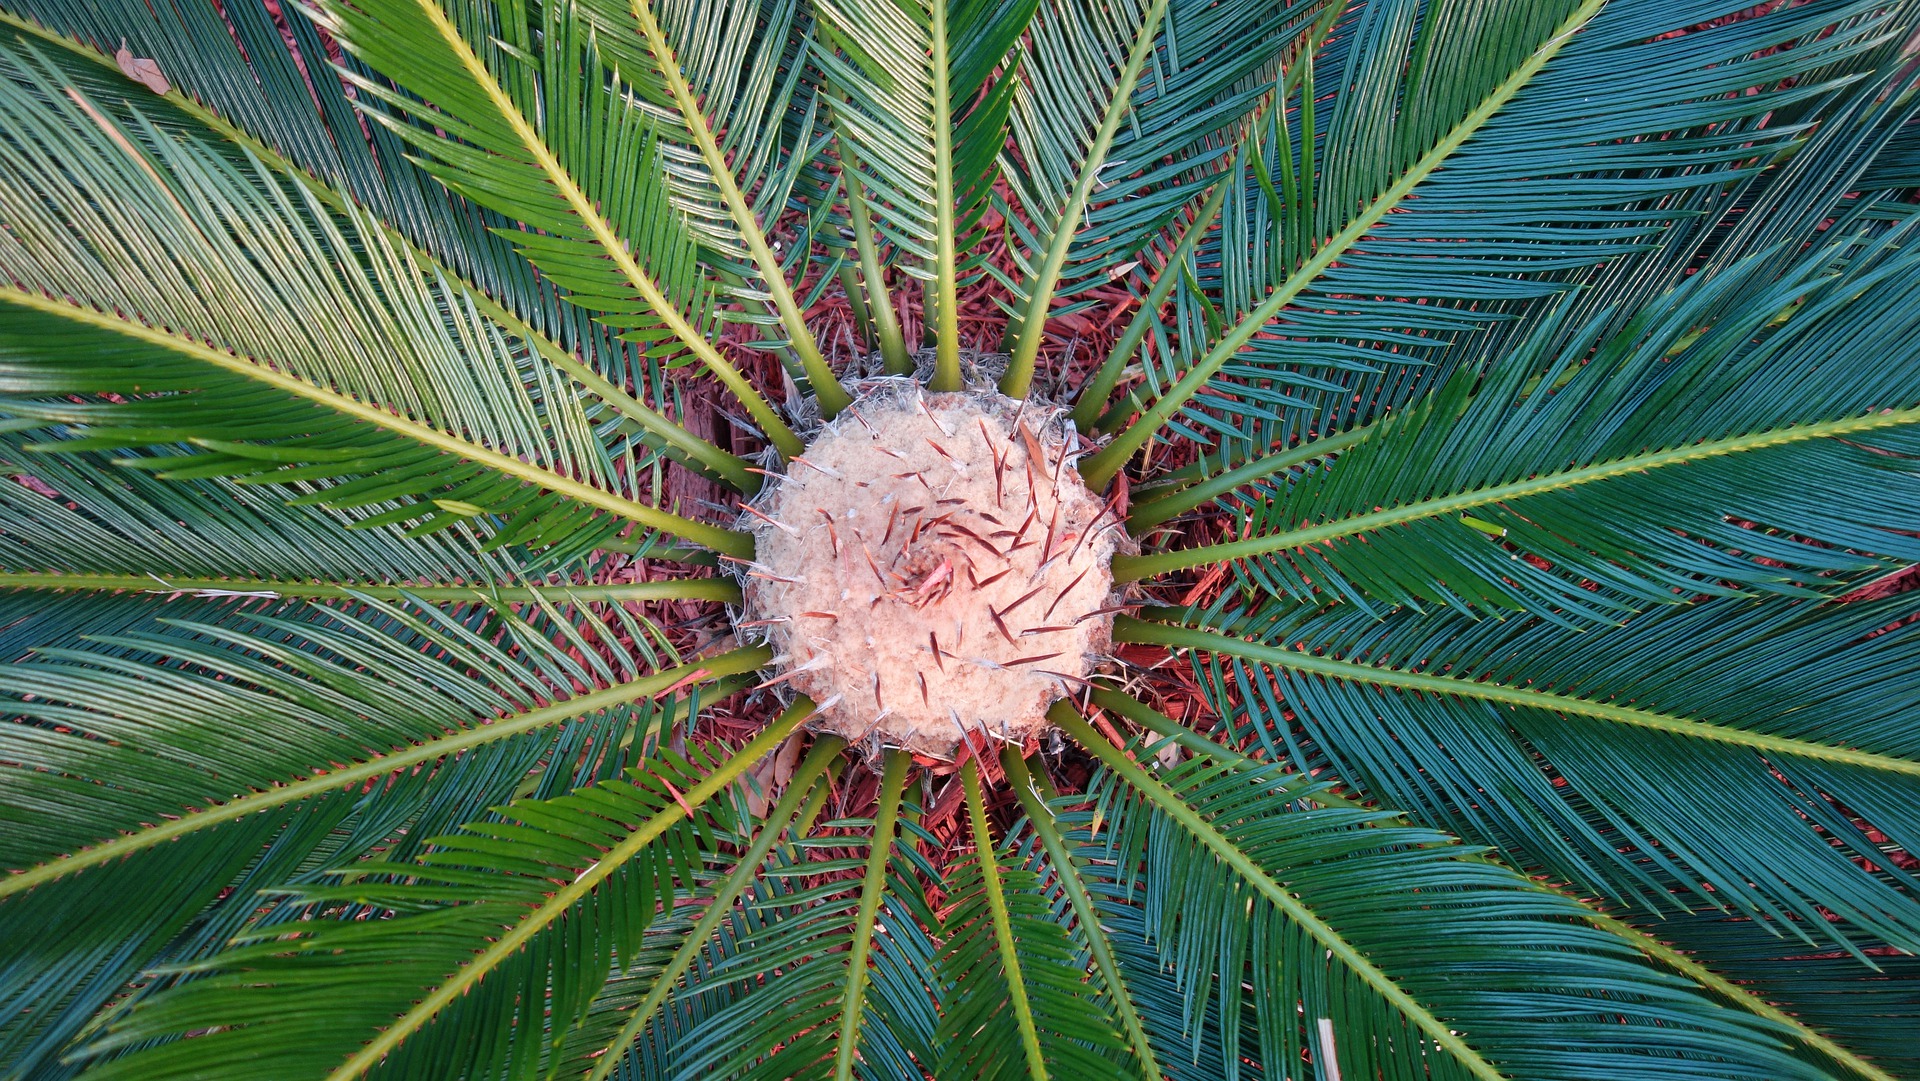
933	565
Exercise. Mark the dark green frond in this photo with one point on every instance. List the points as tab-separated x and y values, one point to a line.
1601	799
1020	1001
768	997
1421	963
252	74
519	114
87	515
927	133
1120	112
565	888
1633	463
122	742
1478	138
234	310
1870	1009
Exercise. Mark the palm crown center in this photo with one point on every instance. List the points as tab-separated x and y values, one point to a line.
933	567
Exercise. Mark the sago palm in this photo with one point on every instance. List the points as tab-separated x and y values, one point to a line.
959	538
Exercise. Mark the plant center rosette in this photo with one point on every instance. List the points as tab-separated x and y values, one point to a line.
933	568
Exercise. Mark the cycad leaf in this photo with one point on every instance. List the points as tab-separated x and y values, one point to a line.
1022	998
1753	433
925	88
1420	962
173	765
1100	148
520	114
566	886
242	66
1788	207
148	263
770	995
286	695
599	1046
741	60
310	131
1871	1010
1706	750
729	1020
726	82
87	516
1484	191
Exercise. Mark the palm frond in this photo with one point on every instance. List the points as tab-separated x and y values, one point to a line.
146	263
600	1044
1899	165
1493	153
1117	108
1791	760
164	755
927	134
1178	739
314	136
1630	463
107	728
240	72
90	516
726	83
82	948
1424	963
1087	922
518	113
565	887
1014	977
811	959
1816	190
89	525
1868	1009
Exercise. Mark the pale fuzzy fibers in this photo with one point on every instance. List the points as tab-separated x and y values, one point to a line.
896	571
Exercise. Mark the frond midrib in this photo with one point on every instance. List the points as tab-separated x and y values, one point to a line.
893	781
827	391
1026	348
1139	631
946	373
721	540
1132	568
709	589
726	665
1088	917
811	782
1159	507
